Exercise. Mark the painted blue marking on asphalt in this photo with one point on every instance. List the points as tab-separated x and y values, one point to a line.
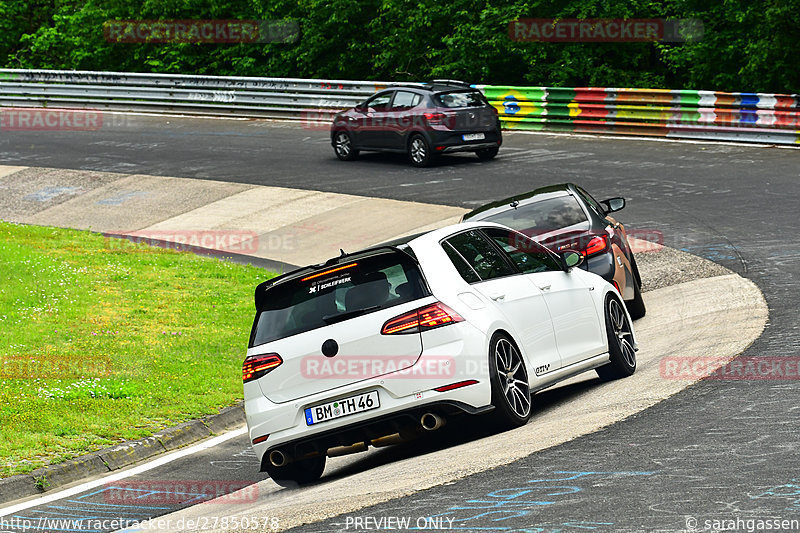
508	503
122	198
151	507
79	517
117	512
48	193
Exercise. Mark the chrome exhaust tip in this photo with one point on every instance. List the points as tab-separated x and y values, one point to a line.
278	459
431	421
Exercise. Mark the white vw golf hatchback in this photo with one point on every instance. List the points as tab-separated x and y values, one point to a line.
371	347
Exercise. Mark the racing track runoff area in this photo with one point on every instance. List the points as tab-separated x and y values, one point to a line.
669	454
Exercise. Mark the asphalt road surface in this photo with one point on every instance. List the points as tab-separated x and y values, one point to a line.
721	450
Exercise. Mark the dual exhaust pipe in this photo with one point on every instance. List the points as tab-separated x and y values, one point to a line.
278	459
428	422
431	421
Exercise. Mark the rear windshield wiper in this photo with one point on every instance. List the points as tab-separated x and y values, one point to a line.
338	317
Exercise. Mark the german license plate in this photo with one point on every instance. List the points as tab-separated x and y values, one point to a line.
473	136
344	407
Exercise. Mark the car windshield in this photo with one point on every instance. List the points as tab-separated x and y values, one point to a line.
543	216
460	99
334	294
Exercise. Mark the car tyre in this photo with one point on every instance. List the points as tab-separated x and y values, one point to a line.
343	146
296	473
511	395
419	151
485	154
635	269
636	307
620	343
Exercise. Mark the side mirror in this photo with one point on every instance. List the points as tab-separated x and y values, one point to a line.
614	204
571	259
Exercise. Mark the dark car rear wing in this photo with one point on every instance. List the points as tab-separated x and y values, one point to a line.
310	269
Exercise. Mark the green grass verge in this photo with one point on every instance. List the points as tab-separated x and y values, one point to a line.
103	340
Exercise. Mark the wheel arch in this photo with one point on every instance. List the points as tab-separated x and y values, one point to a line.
500	330
612	294
417	131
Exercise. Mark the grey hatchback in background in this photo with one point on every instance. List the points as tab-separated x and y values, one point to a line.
422	120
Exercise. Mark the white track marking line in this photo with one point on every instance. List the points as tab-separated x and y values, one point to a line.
740	144
124	474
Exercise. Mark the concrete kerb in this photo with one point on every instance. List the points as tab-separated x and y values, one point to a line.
101	462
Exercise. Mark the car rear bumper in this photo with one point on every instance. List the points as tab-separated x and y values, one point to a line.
404	397
469	147
446	141
405	422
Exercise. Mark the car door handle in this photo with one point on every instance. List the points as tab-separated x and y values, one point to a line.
497	296
545	287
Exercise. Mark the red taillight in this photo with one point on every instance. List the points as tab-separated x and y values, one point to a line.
256	366
456	385
424	318
616	286
596	245
435	118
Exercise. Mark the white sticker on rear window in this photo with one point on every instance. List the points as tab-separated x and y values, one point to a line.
326	285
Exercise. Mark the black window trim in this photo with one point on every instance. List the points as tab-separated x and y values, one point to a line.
581	194
404	89
391	92
547	250
494	245
444	243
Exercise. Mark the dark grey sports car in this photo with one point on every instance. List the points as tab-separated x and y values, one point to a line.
566	217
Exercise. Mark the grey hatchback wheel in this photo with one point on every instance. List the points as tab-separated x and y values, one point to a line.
343	146
419	151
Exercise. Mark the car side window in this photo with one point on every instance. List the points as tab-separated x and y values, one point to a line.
479	254
469	275
528	255
380	102
405	100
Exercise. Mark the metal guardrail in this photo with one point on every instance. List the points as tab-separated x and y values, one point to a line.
748	117
286	98
708	115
